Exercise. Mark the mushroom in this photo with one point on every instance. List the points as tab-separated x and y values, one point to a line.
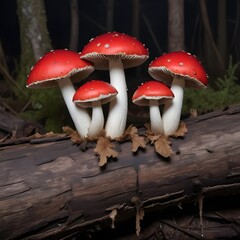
180	69
153	94
115	51
56	67
94	94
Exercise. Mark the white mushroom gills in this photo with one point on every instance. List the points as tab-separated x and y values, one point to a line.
117	116
80	116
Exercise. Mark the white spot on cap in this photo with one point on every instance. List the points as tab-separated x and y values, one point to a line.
98	45
169	60
181	64
107	45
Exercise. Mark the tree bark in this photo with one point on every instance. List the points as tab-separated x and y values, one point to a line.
33	28
74	26
54	190
222	30
135	18
176	34
212	53
35	40
110	15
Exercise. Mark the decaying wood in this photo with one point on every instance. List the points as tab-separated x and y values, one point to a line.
13	125
52	190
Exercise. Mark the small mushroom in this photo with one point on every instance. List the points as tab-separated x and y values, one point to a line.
93	94
115	51
180	69
153	94
55	68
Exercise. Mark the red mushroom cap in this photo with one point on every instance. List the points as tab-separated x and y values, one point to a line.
113	44
182	64
58	64
152	90
94	90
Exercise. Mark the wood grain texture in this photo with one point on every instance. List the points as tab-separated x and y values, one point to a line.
52	188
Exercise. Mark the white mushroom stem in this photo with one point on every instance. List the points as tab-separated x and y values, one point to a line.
117	116
80	116
155	117
172	110
97	122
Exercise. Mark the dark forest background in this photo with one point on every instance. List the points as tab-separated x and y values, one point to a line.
208	29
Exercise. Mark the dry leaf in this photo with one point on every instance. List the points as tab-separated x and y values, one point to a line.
153	138
193	112
72	134
131	133
139	217
104	149
113	215
46	135
137	141
182	130
139	213
163	146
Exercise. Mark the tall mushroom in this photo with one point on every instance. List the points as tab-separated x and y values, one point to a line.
115	51
180	69
56	67
93	94
153	94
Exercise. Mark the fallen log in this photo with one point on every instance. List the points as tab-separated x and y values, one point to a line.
13	125
51	190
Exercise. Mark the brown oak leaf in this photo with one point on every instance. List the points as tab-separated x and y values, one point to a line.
163	146
137	141
131	133
104	149
182	130
72	134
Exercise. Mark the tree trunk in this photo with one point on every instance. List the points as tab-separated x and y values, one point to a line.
222	30
176	25
55	190
135	18
74	26
33	28
35	41
212	54
110	15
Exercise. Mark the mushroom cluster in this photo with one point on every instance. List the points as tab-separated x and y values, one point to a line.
178	69
55	68
115	51
93	94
